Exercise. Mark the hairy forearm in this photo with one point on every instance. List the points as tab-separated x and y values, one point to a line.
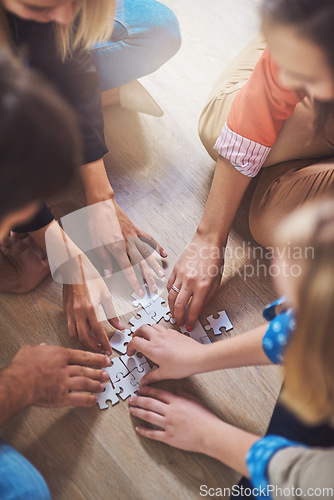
96	183
242	350
15	392
230	445
227	190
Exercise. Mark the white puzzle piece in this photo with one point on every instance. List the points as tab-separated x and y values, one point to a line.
110	394
135	362
117	370
217	324
146	300
127	386
120	340
197	333
143	319
157	311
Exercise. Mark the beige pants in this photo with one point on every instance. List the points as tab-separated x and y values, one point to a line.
299	166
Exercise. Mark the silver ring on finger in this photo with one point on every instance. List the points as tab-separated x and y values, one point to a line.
177	290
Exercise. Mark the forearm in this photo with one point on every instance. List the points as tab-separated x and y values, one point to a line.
96	183
227	190
229	444
15	393
242	350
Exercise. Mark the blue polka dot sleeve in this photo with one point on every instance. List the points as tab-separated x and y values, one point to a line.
279	330
258	459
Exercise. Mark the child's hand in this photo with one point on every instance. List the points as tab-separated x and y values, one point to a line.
177	355
184	421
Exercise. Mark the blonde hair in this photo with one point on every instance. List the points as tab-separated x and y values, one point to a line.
92	22
309	361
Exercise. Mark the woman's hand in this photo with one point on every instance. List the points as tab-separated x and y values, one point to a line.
81	303
176	355
197	275
113	234
184	421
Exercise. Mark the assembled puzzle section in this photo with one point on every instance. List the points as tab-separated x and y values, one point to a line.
217	324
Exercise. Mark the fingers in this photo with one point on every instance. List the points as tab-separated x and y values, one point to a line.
152	243
85	384
149	258
148	416
180	304
137	344
99	332
151	377
104	260
129	272
195	307
111	315
81	399
152	434
137	259
172	295
90	359
85	338
161	395
82	371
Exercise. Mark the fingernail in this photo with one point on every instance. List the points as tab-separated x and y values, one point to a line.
102	387
142	383
107	273
163	253
141	293
121	326
131	400
108	361
105	375
154	288
161	273
188	328
108	353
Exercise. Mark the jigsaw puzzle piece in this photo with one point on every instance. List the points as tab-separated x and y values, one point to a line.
197	333
135	362
146	300
117	370
120	340
110	394
144	319
157	311
217	324
127	386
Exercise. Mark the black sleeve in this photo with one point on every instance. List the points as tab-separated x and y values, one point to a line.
76	79
41	219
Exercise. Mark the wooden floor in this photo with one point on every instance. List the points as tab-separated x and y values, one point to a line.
161	175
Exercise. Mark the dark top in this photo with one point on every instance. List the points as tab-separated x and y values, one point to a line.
76	80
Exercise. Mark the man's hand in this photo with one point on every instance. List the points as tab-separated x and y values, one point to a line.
176	355
56	377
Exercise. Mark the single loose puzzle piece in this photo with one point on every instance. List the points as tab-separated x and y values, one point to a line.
217	324
110	394
145	301
120	340
127	386
157	310
197	333
117	371
143	319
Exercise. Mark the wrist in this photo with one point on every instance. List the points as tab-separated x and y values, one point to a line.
212	236
96	196
18	385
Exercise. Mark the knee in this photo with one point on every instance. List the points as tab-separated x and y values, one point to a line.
262	226
162	29
13	465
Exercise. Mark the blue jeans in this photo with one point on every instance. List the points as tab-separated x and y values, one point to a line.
19	480
146	34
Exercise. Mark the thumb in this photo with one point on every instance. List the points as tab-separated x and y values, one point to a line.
151	377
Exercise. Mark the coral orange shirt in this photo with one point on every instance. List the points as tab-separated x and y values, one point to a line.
257	115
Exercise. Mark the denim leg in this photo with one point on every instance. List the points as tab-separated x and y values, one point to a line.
146	34
19	480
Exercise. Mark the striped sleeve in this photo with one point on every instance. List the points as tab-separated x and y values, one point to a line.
256	117
246	155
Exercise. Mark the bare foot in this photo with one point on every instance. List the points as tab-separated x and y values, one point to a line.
23	264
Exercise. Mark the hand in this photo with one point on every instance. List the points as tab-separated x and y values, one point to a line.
176	355
184	421
81	303
197	275
113	233
23	264
57	377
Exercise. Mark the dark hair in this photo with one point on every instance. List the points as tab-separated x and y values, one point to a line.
40	145
314	19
